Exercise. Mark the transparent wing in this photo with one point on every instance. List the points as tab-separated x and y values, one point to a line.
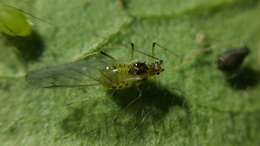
83	72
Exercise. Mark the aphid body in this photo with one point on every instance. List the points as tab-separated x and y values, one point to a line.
13	21
125	75
231	60
93	70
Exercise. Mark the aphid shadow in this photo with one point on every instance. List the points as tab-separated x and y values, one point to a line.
154	103
83	123
71	124
246	78
30	48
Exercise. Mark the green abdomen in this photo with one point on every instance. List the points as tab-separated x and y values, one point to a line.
117	76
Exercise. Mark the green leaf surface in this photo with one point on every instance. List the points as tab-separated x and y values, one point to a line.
188	104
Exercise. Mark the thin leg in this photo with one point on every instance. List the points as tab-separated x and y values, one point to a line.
135	99
143	53
114	120
132	101
132	51
163	48
154	44
107	55
144	114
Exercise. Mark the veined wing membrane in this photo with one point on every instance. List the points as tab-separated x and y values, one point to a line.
84	72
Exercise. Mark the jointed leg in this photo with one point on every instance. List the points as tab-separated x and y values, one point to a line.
163	48
131	102
107	55
135	99
132	51
153	46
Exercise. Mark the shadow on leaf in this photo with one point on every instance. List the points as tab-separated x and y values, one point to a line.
246	78
154	104
72	122
155	101
30	48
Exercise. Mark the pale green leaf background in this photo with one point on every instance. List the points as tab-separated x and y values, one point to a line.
188	104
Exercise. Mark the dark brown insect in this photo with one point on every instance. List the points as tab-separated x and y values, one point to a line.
231	60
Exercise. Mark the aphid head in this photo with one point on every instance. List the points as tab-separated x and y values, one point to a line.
156	67
138	68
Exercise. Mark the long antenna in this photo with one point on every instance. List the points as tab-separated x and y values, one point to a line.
143	53
107	55
165	49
